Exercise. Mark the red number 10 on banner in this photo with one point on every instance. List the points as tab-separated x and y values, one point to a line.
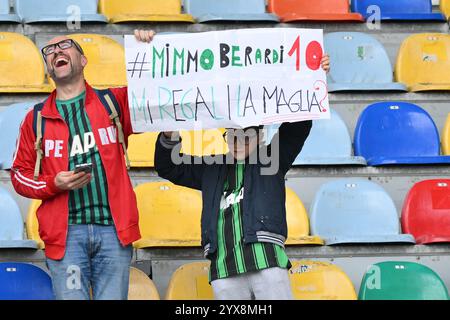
313	54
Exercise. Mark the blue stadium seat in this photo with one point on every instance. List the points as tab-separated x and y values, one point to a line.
10	120
31	11
355	210
329	143
5	15
359	62
389	133
230	10
24	281
11	224
398	9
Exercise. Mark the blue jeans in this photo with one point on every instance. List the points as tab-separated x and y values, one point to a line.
94	259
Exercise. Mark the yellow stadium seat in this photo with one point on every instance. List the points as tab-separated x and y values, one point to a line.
445	7
190	282
446	137
141	287
21	65
143	10
169	215
32	224
423	62
315	280
298	222
141	149
106	61
203	142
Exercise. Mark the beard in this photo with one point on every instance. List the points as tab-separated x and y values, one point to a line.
68	77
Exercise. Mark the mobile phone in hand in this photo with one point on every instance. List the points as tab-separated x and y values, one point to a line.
85	167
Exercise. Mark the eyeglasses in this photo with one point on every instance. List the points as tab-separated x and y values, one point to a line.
242	136
63	45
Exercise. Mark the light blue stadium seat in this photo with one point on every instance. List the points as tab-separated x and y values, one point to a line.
389	133
328	143
398	9
355	210
359	62
24	281
5	15
230	10
31	11
10	120
11	224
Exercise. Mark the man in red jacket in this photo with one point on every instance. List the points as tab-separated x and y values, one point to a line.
88	220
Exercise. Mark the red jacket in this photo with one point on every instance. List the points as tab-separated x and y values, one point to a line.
53	214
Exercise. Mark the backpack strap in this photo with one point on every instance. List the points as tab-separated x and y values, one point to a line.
38	128
111	105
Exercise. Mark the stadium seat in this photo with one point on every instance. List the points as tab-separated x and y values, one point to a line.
398	280
141	287
169	215
398	9
24	281
446	137
11	224
445	7
316	280
318	10
328	143
106	60
141	149
5	15
31	11
359	62
230	10
190	282
298	221
203	142
21	64
426	211
32	224
355	210
10	120
391	133
422	62
143	10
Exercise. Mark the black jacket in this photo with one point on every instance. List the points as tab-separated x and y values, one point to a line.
264	212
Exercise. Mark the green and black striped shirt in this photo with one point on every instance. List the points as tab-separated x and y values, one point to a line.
88	205
233	257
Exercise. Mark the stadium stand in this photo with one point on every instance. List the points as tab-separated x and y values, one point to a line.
141	287
355	210
426	211
231	10
359	62
392	133
5	13
119	11
316	280
398	10
397	280
319	10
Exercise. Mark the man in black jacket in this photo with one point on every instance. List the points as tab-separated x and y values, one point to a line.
244	216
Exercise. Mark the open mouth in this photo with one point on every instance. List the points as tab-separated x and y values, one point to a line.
61	62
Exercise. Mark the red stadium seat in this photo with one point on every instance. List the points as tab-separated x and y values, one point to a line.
317	10
426	211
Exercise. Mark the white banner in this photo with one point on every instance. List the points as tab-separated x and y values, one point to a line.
226	79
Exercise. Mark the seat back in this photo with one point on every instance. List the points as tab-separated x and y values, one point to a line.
201	7
23	281
393	7
11	222
288	7
203	142
111	8
444	6
32	223
426	211
396	129
424	59
190	282
141	149
353	207
169	215
54	8
446	137
141	287
315	280
397	280
4	7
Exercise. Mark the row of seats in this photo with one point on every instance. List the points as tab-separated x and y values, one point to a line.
359	62
386	134
344	211
310	280
117	11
